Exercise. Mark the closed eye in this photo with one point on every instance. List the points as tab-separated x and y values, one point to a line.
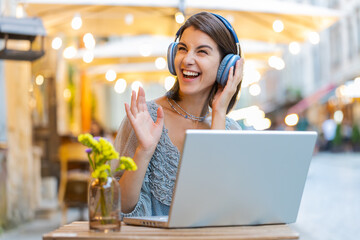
180	48
203	51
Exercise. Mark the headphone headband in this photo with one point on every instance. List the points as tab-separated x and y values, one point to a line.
227	25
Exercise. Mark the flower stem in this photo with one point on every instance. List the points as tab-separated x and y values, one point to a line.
91	162
103	206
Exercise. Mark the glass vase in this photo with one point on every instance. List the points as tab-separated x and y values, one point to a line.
104	205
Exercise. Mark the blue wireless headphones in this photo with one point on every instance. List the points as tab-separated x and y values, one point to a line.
225	65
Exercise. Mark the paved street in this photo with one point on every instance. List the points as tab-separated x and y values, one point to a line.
330	208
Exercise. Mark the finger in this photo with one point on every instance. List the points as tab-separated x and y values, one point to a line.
220	88
128	113
230	80
239	70
141	101
133	107
160	117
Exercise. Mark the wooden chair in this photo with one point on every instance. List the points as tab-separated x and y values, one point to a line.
74	178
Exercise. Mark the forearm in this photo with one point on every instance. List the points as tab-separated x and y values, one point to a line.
131	181
218	120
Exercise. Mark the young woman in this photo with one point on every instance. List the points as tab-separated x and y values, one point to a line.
153	132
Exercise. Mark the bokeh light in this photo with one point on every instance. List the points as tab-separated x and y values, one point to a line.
136	85
278	26
110	75
56	43
291	119
120	85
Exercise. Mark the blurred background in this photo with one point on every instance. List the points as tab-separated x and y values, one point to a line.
68	67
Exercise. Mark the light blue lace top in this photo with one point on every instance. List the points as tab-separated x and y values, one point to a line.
157	188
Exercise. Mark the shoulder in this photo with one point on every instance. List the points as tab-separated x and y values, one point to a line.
153	106
156	103
231	124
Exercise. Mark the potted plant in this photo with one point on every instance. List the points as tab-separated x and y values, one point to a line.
104	200
337	142
355	138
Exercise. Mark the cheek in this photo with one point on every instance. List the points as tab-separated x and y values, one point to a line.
213	67
177	62
178	58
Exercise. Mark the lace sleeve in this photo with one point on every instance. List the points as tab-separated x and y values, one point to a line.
125	144
231	124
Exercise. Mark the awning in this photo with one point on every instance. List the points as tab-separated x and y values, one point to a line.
251	19
313	98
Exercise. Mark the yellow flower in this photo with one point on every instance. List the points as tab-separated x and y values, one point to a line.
127	163
102	172
100	152
88	140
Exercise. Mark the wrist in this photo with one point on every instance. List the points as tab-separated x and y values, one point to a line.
218	120
146	152
218	114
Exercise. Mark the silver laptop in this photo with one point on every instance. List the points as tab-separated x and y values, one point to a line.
237	178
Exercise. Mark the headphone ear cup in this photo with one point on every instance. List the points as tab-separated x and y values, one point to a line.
171	57
224	68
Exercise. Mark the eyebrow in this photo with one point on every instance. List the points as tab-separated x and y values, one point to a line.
201	46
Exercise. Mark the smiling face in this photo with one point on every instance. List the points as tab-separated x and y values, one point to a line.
196	62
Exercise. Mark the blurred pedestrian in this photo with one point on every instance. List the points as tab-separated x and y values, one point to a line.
329	130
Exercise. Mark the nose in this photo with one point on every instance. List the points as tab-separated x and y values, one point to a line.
189	58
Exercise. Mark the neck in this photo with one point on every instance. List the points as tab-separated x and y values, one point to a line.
192	104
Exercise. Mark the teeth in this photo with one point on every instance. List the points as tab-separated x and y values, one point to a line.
188	73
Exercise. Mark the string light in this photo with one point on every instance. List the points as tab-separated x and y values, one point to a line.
89	41
67	94
160	63
179	17
110	75
76	22
294	48
278	26
145	49
88	56
262	124
338	116
254	89
230	18
276	62
169	82
129	19
39	80
56	43
291	119
251	75
20	13
69	52
135	86
120	86
314	38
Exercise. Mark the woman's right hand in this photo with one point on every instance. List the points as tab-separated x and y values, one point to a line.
147	131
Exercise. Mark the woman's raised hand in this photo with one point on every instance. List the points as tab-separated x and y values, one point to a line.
147	131
224	94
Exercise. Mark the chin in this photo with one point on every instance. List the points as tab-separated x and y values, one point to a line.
188	90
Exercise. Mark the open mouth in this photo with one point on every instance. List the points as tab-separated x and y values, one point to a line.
190	74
